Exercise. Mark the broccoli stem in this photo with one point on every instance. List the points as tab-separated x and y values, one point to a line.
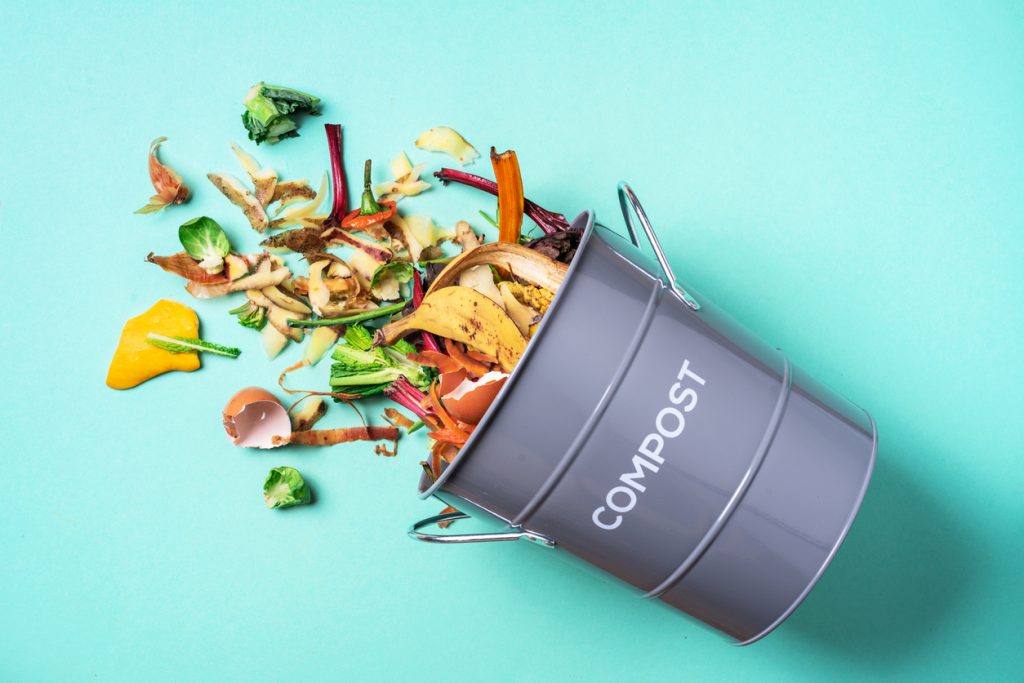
355	318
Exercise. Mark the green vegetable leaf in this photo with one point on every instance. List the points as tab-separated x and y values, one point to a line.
267	108
403	347
250	315
284	487
289	100
400	270
359	337
362	369
256	319
387	278
190	344
204	240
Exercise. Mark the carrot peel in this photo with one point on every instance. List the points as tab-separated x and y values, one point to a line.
510	195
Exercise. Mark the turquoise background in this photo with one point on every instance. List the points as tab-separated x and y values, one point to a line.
848	181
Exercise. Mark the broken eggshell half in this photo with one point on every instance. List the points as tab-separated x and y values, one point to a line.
253	417
470	398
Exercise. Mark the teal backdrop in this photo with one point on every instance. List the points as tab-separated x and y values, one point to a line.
846	179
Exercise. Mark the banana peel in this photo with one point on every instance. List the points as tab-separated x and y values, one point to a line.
522	262
465	315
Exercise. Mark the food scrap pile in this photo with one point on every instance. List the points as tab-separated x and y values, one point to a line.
400	315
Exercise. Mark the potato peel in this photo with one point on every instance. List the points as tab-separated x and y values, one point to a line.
447	140
240	196
263	179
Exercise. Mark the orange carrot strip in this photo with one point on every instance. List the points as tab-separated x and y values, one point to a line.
448	451
447	420
473	367
381	449
435	359
510	195
447	523
447	435
482	357
397	419
437	458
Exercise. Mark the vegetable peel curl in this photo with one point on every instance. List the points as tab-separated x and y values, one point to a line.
332	437
170	189
510	195
449	141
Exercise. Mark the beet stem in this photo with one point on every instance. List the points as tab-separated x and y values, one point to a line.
339	206
549	221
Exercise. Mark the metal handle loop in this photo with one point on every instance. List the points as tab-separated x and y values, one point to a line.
515	535
627	200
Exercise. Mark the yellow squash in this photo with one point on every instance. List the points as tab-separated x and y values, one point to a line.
465	315
135	360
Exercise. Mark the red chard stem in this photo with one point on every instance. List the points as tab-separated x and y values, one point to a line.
549	221
340	199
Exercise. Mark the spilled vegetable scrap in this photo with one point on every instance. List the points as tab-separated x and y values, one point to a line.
447	140
268	112
136	360
436	329
284	487
406	182
190	345
170	189
510	195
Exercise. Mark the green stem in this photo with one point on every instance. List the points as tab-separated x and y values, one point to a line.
236	311
348	320
488	218
189	345
369	205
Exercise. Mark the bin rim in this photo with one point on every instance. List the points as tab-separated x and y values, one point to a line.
587	218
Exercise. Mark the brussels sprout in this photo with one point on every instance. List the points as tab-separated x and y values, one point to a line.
205	241
285	488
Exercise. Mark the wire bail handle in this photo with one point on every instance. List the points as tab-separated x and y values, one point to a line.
627	200
514	534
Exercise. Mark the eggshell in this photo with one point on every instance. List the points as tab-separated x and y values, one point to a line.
258	422
470	399
447	381
253	416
